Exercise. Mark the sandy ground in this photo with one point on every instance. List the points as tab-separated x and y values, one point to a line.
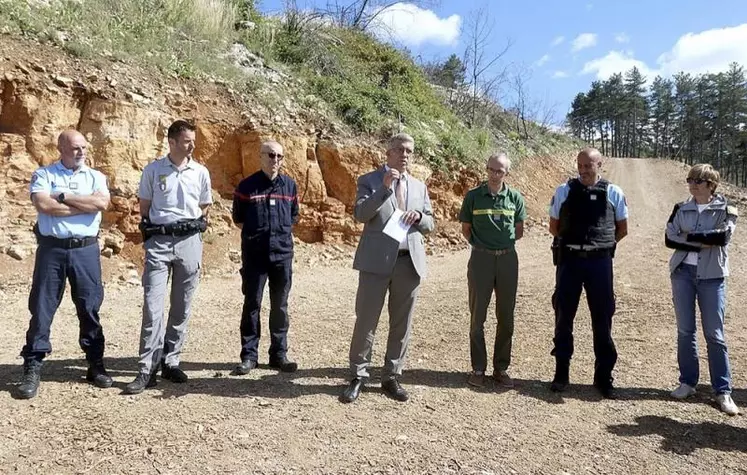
269	423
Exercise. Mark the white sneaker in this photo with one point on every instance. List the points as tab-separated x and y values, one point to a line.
683	392
727	404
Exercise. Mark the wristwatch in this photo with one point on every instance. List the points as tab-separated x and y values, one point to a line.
61	198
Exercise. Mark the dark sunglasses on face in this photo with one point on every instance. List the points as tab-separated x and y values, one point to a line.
274	155
696	181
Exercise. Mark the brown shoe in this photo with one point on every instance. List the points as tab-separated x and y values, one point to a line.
476	379
503	379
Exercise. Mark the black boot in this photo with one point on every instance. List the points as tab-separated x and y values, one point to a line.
30	383
98	376
561	379
142	381
603	383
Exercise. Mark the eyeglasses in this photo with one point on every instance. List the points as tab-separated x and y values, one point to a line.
274	155
496	171
697	181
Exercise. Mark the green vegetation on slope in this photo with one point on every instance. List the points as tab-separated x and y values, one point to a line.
372	87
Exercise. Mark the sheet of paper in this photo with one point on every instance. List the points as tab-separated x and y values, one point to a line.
395	228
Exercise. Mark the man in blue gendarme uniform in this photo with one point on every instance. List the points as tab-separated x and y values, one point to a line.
265	206
588	216
69	198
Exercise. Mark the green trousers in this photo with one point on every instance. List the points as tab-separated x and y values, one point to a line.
487	274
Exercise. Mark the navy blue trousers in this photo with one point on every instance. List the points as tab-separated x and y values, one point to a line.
593	274
254	276
53	266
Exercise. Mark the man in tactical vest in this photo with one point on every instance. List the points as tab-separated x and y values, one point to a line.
588	217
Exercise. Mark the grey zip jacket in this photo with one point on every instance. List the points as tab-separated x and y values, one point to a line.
708	233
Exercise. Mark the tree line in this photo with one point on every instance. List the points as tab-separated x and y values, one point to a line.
691	118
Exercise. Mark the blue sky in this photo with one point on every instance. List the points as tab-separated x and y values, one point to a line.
566	44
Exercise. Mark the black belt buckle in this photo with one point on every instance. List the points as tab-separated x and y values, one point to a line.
74	243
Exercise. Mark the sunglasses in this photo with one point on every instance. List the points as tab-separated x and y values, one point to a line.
274	155
696	181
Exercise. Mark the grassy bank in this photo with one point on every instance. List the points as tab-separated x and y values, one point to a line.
372	88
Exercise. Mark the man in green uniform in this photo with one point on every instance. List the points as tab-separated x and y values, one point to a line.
492	218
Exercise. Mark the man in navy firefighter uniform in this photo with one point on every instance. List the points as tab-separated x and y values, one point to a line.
69	198
588	216
265	206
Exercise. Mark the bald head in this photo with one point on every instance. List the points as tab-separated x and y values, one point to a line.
589	162
72	146
497	166
271	158
270	146
68	136
591	153
499	159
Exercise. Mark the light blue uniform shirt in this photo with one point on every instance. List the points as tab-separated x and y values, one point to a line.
55	178
175	194
614	195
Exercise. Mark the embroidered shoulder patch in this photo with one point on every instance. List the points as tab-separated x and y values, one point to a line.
732	210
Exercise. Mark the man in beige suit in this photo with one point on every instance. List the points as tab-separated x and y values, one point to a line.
386	265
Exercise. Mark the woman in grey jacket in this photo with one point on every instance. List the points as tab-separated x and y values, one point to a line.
699	230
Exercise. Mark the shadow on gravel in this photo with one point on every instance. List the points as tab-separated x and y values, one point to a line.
584	392
268	383
684	438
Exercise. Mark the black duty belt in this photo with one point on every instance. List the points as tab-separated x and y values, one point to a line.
589	253
67	243
403	253
179	228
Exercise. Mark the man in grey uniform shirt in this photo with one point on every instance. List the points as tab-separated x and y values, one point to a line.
174	197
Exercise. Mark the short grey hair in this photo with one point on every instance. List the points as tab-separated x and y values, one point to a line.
501	156
398	139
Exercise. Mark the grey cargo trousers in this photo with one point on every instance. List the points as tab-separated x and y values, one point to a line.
180	258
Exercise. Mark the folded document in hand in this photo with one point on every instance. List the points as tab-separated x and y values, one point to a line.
396	228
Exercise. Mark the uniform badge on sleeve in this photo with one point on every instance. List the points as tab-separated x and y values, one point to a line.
34	177
162	182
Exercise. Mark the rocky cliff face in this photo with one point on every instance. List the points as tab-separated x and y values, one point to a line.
125	135
125	118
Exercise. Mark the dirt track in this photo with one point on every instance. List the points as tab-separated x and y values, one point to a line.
268	423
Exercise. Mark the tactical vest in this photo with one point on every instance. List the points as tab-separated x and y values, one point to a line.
587	218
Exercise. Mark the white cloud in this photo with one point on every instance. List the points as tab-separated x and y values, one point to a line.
415	26
557	40
622	38
559	75
544	59
583	41
709	51
614	62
